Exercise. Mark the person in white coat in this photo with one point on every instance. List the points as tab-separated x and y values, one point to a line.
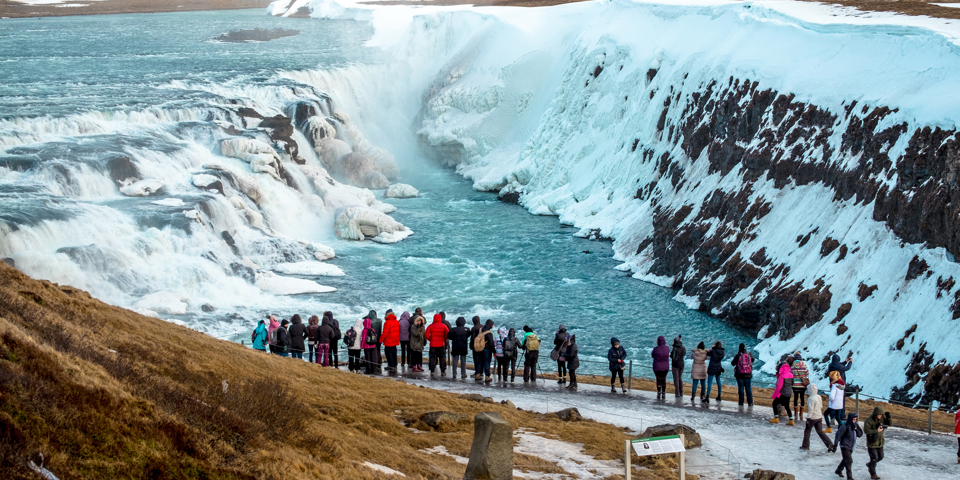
815	419
355	349
837	399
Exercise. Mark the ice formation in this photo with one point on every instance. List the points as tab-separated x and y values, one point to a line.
359	223
401	190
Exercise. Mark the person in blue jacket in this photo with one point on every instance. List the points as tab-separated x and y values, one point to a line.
259	337
846	439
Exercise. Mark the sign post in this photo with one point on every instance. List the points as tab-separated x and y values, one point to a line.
655	446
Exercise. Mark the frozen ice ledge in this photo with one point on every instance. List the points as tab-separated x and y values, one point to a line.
788	167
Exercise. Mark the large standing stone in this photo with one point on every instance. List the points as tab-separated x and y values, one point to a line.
491	456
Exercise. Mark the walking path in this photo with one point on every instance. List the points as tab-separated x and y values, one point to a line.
736	440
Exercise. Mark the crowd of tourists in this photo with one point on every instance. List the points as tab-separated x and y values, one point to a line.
395	342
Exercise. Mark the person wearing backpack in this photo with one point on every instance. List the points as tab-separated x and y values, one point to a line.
815	420
616	356
698	373
337	336
404	339
801	378
377	325
313	324
510	353
391	340
272	333
781	395
477	356
531	355
354	339
677	355
743	372
558	343
368	341
325	342
846	440
282	339
437	338
418	341
459	338
498	354
661	365
484	345
572	357
259	337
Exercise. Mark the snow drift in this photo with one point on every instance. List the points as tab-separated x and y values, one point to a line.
788	167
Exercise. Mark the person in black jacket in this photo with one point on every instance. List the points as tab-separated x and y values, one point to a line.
511	350
337	336
283	339
459	338
477	356
298	335
677	355
846	439
616	356
558	340
325	341
489	349
714	369
744	375
531	355
572	356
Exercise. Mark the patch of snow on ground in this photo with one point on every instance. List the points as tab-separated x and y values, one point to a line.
382	469
568	456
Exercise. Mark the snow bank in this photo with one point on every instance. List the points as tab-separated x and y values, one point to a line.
401	190
279	285
309	269
167	303
359	223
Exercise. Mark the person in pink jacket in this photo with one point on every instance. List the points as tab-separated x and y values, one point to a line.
369	348
956	431
274	324
783	392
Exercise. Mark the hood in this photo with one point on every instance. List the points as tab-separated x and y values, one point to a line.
463	321
405	316
572	339
502	332
812	389
661	341
391	318
851	416
274	323
677	342
527	329
488	325
358	325
877	411
476	321
367	323
785	371
614	341
325	321
512	333
835	359
372	315
563	328
437	318
297	320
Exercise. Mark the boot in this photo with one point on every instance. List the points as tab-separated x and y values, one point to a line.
800	413
828	430
613	389
775	420
625	391
790	422
873	476
487	380
561	380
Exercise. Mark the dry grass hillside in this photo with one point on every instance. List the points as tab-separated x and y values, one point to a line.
105	393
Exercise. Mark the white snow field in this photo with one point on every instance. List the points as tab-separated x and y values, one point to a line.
769	159
735	442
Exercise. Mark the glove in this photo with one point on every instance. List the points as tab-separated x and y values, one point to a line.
886	417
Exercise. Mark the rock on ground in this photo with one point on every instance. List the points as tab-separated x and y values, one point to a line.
759	474
442	421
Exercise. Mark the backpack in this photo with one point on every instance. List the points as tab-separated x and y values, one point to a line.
508	347
370	337
273	336
498	347
533	342
350	338
744	364
253	336
480	342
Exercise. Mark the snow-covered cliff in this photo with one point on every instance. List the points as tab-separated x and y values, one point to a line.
789	167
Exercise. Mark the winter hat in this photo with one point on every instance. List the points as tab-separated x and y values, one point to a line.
488	324
284	323
527	329
502	332
797	356
743	348
614	341
389	311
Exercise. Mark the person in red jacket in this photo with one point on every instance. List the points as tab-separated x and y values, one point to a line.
390	339
437	338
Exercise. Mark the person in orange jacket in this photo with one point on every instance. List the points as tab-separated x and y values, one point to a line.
437	338
391	339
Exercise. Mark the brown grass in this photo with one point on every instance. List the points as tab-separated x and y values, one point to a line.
105	393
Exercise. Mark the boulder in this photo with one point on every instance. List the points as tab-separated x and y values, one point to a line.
123	170
401	190
760	474
508	403
491	455
10	261
566	415
443	421
690	436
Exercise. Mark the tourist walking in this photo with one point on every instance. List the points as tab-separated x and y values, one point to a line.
801	378
391	340
661	366
815	420
572	357
510	353
259	337
714	369
369	343
837	400
485	343
459	345
616	356
418	341
873	428
404	339
743	372
783	391
325	341
437	338
477	353
698	372
677	356
337	335
313	324
282	339
558	341
847	436
531	356
354	341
